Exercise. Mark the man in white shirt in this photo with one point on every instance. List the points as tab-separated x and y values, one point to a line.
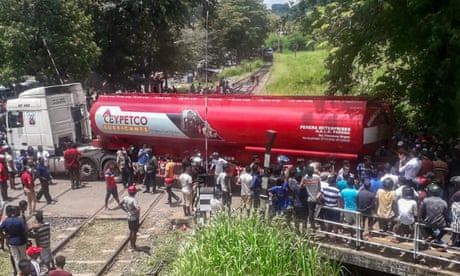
224	183
216	202
41	153
409	164
217	164
244	180
407	212
185	179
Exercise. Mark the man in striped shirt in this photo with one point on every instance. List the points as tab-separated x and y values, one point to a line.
311	181
41	231
331	198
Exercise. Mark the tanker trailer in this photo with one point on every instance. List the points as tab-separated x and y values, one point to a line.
235	126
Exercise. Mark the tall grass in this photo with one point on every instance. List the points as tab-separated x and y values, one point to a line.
243	70
247	246
300	73
5	264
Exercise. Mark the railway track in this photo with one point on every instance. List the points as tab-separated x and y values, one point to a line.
250	84
92	244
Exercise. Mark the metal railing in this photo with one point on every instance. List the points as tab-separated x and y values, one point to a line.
414	238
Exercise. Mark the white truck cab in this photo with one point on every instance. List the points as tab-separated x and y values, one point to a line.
53	116
48	116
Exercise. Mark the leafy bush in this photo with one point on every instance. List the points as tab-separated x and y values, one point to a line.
298	42
239	245
300	73
243	69
275	40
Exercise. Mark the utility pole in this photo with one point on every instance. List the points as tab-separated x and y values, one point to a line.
52	60
206	92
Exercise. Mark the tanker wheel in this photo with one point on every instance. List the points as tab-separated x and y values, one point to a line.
88	170
116	170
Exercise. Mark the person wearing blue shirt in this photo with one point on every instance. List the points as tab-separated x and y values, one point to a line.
280	200
350	202
143	157
16	228
43	174
364	169
343	183
376	183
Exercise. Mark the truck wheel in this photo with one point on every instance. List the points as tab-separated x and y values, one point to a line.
88	170
116	170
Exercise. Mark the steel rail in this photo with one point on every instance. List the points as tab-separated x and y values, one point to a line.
111	259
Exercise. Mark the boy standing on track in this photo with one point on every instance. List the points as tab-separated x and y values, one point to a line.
111	186
130	205
186	182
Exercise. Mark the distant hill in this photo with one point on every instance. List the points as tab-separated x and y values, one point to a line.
280	9
269	3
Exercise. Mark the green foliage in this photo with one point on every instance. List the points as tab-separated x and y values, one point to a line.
166	249
239	26
28	29
239	245
242	70
300	73
280	9
409	49
299	42
5	263
141	37
276	41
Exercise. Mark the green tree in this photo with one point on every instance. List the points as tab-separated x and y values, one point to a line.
31	32
408	49
240	26
141	37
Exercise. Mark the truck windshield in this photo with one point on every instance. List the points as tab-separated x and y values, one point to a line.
15	119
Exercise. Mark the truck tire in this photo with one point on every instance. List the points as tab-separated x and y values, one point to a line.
116	170
88	170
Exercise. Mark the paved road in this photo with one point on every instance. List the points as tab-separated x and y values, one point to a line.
87	200
81	202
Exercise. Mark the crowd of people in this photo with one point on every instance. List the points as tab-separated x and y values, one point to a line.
413	180
29	245
223	87
416	179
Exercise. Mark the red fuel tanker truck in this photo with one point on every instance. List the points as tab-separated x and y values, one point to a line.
236	125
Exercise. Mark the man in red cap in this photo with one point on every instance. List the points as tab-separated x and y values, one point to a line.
34	252
130	205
